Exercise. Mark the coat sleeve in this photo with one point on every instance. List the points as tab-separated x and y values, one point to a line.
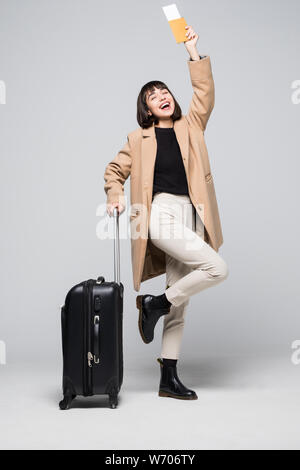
203	98
116	173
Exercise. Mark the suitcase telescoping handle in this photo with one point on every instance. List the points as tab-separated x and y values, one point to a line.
116	250
116	246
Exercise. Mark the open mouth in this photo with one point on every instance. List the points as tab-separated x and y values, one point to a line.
165	106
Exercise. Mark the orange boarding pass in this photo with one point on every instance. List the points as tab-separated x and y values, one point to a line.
176	22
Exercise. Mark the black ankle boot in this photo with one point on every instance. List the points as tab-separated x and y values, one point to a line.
151	308
170	385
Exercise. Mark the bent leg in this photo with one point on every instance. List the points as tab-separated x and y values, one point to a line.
173	237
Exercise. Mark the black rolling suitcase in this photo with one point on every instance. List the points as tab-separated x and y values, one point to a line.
92	335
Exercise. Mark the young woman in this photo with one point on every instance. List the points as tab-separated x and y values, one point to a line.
176	163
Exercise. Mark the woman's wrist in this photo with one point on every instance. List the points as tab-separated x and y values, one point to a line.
194	55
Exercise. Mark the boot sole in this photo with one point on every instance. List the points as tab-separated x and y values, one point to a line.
171	395
139	306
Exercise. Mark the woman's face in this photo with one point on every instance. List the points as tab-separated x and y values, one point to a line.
157	100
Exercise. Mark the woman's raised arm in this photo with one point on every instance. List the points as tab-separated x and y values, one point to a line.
203	98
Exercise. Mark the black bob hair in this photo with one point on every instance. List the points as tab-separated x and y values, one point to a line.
143	117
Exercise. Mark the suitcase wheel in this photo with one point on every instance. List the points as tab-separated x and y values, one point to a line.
66	402
113	401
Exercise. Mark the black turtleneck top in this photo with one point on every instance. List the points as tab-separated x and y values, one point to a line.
169	171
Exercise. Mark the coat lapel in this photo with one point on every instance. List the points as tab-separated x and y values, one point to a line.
182	135
149	149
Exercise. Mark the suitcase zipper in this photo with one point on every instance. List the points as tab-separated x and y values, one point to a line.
88	357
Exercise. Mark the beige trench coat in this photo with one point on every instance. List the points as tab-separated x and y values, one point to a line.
137	159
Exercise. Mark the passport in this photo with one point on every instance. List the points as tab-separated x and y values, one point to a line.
177	23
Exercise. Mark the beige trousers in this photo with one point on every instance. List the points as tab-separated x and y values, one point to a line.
191	264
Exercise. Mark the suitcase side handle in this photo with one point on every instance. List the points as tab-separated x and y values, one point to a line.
96	339
116	246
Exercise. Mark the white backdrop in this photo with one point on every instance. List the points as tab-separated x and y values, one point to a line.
73	71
